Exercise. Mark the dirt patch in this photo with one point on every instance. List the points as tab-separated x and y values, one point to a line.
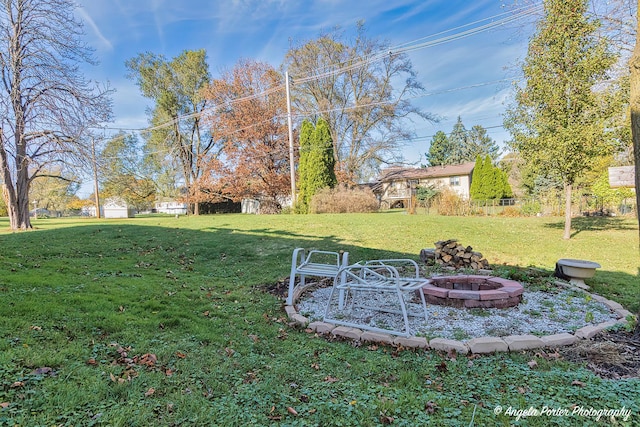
280	288
610	354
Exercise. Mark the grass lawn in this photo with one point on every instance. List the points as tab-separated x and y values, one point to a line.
158	321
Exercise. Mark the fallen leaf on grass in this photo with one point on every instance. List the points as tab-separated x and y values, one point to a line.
578	383
292	411
206	313
385	419
532	364
330	379
35	328
431	407
4	405
149	392
147	359
17	384
92	362
180	354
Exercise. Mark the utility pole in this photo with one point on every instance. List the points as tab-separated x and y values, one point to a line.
291	157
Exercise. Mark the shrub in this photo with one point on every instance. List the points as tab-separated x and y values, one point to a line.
531	208
449	203
510	211
342	200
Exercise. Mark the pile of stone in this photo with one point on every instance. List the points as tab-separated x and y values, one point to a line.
450	253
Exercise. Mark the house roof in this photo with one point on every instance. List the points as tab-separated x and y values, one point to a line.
402	174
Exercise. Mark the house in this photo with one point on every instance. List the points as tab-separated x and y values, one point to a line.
171	207
116	207
396	185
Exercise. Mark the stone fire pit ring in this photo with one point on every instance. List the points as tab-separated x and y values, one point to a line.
471	291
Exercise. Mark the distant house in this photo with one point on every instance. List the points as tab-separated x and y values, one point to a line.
171	207
395	185
116	207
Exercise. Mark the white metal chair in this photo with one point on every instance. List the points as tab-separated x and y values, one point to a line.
366	289
316	264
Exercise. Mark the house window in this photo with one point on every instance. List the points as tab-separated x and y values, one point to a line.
454	181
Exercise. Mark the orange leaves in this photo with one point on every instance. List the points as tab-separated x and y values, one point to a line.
146	359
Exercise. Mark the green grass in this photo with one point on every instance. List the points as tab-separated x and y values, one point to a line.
91	299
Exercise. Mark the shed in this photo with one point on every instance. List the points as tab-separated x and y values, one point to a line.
117	207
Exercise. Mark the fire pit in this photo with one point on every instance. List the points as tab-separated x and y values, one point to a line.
473	291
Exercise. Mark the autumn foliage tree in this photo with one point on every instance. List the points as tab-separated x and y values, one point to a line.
247	114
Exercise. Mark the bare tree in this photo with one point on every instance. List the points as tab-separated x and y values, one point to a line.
361	89
45	102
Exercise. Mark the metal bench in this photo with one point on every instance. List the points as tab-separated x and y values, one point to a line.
316	264
380	286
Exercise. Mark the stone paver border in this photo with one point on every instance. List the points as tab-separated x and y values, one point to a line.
480	345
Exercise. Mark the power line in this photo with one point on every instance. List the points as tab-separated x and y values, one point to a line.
401	48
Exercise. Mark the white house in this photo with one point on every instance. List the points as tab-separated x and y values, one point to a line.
171	207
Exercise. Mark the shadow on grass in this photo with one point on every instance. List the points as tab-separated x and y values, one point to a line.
595	223
257	257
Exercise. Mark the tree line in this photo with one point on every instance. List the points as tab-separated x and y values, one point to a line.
226	138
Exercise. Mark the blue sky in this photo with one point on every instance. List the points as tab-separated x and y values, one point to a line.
230	30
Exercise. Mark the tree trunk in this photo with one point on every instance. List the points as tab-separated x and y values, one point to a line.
567	211
16	196
634	71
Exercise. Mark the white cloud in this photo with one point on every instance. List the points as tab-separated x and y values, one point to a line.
96	31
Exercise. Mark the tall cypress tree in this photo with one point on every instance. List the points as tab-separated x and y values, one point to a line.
476	189
326	159
487	179
316	168
304	164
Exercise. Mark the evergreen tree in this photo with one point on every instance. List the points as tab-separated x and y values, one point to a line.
306	135
316	169
439	150
459	143
488	182
487	179
506	190
476	190
481	144
323	170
